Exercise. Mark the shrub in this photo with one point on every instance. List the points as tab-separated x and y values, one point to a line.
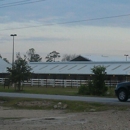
98	81
83	89
86	89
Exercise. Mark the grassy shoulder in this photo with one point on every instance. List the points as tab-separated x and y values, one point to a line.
43	90
54	90
72	106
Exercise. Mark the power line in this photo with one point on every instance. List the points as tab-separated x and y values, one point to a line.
71	22
13	2
94	19
19	3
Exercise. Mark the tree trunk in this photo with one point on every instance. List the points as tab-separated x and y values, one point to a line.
19	86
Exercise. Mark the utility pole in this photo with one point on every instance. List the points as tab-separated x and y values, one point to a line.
126	56
13	35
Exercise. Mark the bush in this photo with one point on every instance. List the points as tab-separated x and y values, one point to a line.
91	89
83	89
86	89
98	81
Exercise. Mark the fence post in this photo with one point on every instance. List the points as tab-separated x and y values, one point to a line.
71	83
41	82
46	83
65	83
31	82
2	80
54	83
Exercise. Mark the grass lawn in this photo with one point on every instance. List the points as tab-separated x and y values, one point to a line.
54	90
43	90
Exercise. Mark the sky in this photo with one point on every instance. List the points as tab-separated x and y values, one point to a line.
81	27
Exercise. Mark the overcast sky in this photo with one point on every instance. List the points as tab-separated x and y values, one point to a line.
82	27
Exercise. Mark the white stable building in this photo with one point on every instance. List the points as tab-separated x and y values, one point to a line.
79	69
3	67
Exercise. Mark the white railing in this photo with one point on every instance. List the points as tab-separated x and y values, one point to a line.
2	80
55	82
59	82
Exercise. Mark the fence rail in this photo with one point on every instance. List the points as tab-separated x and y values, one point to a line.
59	82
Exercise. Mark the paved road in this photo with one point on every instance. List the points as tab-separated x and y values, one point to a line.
61	97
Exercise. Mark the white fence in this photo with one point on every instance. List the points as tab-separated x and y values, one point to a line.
55	82
59	82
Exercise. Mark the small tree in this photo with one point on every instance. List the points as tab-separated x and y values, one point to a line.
98	81
19	72
32	56
52	56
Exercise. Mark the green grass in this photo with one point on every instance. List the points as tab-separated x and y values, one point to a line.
44	90
72	106
51	90
54	91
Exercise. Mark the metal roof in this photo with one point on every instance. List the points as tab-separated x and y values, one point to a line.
103	58
79	67
3	66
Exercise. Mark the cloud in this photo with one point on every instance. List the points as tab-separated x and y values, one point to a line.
44	39
74	39
64	11
4	19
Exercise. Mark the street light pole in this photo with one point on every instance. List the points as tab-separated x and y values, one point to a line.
126	56
13	35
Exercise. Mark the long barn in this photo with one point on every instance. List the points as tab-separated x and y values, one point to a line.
80	70
74	70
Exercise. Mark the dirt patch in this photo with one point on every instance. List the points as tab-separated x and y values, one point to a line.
59	120
35	103
44	103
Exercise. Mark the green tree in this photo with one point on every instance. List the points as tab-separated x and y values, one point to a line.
52	56
98	81
32	56
19	72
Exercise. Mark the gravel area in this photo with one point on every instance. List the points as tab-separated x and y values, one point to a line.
11	119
